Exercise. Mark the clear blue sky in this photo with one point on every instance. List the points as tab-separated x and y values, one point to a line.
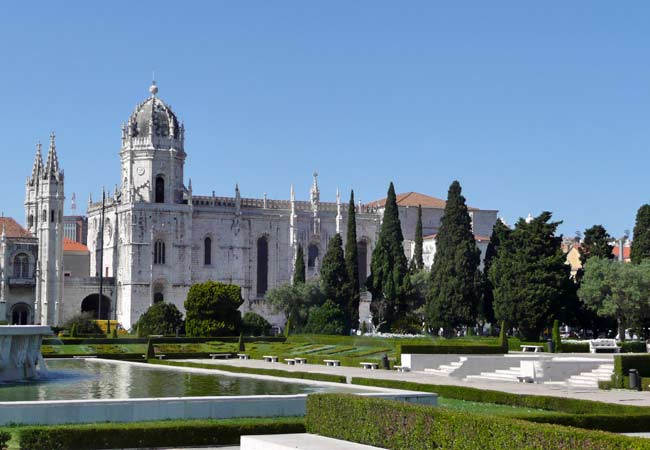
532	106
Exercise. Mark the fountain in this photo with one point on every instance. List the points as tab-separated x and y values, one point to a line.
20	352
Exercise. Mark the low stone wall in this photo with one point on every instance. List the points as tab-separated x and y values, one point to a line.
143	409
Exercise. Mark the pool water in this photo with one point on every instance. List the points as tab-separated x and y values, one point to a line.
92	379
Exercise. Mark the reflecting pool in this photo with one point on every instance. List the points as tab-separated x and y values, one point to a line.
92	379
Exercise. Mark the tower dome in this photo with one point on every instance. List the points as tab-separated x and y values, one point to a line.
153	119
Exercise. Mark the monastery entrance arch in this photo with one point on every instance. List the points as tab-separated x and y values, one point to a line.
91	305
21	314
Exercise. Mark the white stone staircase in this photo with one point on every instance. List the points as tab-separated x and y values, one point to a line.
604	372
447	369
511	374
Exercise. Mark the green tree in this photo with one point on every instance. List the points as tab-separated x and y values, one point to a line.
418	240
641	244
295	301
334	275
299	269
212	309
160	318
326	319
85	322
557	340
486	307
255	325
596	243
352	267
389	268
617	290
529	276
455	279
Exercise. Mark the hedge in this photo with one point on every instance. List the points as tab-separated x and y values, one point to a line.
633	347
451	349
562	404
393	425
256	371
575	347
161	340
152	434
623	364
615	423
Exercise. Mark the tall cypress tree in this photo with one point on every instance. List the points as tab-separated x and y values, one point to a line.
299	276
352	267
334	275
486	307
389	268
596	243
455	279
641	243
417	253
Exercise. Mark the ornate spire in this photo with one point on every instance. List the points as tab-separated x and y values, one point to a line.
73	205
37	170
338	211
52	164
315	194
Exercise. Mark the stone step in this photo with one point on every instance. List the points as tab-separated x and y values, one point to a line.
298	441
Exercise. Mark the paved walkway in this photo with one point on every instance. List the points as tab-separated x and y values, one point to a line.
616	396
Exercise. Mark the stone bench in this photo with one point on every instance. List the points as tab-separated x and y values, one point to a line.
220	355
301	360
269	358
402	368
532	348
298	441
290	361
332	362
369	365
83	357
243	356
603	345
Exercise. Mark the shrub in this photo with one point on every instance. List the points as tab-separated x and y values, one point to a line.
255	325
503	337
575	347
242	346
73	330
161	318
557	340
393	425
152	434
5	437
151	354
85	324
212	309
623	364
114	333
633	347
325	319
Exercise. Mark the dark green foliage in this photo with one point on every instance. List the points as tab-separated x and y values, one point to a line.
296	301
139	332
151	354
623	364
530	277
633	347
641	244
364	327
161	318
152	434
211	309
252	370
627	423
255	325
299	276
486	305
574	347
73	331
287	328
334	275
397	426
326	319
5	437
453	349
557	340
596	243
113	333
389	268
455	280
418	260
242	346
352	267
551	403
85	324
503	337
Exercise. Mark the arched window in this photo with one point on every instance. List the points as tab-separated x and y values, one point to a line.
362	259
159	252
52	216
30	221
21	266
158	297
20	314
160	189
207	251
312	255
262	266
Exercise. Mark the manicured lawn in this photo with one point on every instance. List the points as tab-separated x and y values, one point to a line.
491	409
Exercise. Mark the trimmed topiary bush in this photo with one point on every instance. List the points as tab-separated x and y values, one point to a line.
255	325
73	331
212	309
161	318
151	354
242	346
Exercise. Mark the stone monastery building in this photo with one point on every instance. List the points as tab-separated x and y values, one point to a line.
159	237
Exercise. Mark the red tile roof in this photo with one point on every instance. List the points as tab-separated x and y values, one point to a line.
71	246
626	252
414	199
12	228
